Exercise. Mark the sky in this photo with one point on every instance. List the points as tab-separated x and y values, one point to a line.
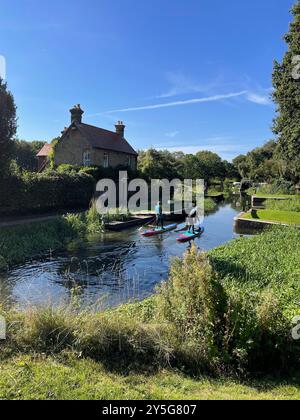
183	75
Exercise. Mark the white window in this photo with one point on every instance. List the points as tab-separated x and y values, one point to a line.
87	158
105	160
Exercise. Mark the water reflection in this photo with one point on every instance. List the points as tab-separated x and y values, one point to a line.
109	269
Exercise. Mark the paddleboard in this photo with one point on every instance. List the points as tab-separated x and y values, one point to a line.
159	231
189	236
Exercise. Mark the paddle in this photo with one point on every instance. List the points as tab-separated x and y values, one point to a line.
147	224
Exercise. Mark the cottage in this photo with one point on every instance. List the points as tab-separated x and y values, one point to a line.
85	145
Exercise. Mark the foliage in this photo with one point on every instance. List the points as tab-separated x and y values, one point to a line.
8	127
22	242
292	205
286	96
261	164
33	192
279	187
229	313
210	205
24	153
154	164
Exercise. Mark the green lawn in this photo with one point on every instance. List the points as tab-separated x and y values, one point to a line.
28	378
289	217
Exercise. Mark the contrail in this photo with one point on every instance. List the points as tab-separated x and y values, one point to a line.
180	103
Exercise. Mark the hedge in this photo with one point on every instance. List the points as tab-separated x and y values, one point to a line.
37	193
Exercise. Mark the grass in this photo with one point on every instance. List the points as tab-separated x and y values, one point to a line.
283	205
41	378
288	217
227	314
22	242
266	262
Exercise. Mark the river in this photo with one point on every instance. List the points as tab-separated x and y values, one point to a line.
109	269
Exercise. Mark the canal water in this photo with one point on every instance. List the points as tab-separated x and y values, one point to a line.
109	269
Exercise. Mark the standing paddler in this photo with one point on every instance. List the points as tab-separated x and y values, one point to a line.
159	215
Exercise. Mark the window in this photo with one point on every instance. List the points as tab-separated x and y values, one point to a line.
105	160
129	161
87	158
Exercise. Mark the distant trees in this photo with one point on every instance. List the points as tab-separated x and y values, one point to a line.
286	81
8	127
24	154
154	164
261	164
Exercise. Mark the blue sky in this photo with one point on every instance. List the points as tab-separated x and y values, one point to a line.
182	74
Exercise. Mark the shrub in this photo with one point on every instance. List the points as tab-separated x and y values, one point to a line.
194	301
34	192
283	205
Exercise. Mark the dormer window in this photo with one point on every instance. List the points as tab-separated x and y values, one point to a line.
87	158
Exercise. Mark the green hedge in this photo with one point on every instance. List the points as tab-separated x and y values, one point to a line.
37	193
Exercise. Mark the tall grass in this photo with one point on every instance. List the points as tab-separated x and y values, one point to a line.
22	242
283	205
230	311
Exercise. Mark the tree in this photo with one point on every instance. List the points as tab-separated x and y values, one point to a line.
24	153
212	164
286	81
8	127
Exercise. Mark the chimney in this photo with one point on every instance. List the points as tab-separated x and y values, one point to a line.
76	114
120	128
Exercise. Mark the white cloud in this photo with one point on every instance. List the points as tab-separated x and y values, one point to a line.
259	99
214	98
172	134
180	85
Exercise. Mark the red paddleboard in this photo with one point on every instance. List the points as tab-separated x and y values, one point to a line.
159	231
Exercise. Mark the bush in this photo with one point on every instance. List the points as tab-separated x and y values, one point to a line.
283	205
36	193
194	301
278	187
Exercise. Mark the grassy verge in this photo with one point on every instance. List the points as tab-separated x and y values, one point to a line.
292	204
22	242
289	217
228	313
72	379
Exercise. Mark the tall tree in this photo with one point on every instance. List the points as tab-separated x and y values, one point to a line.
286	81
8	127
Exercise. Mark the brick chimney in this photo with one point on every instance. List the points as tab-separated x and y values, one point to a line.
120	128
76	114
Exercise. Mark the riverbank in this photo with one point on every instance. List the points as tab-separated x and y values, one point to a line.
226	314
21	242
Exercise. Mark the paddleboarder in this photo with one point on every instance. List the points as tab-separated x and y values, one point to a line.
159	215
193	218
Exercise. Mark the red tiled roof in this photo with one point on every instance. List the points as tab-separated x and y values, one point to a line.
105	139
45	151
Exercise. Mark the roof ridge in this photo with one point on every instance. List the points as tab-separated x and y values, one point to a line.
100	128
